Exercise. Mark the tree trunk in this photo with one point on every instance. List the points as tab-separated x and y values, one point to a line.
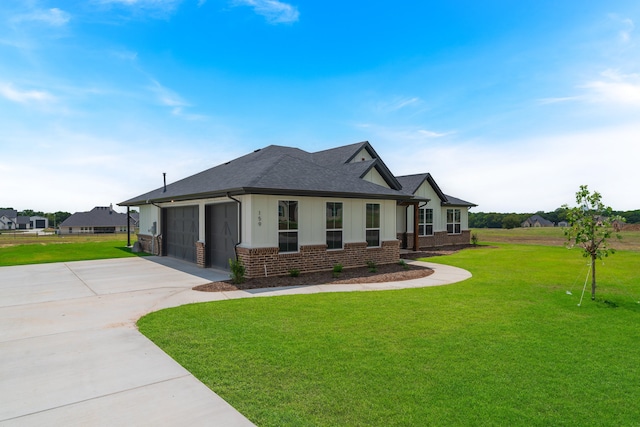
593	277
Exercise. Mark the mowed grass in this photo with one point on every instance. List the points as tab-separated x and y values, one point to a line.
506	347
551	236
25	249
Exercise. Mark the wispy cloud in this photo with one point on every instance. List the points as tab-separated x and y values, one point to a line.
166	96
413	134
169	98
154	8
559	100
615	88
274	11
24	96
399	103
626	27
611	87
143	3
54	17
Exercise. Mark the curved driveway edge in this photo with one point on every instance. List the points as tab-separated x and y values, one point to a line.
70	353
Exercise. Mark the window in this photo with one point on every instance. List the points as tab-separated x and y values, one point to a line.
425	220
288	226
334	225
372	224
453	221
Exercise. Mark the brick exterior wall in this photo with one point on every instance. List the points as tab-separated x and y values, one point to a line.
439	238
201	260
315	258
151	245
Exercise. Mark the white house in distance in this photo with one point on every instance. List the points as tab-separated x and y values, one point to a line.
10	220
282	208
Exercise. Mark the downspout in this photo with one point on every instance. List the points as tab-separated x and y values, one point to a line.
405	243
235	247
128	228
153	236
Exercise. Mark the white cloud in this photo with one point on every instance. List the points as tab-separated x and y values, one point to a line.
169	98
615	88
612	87
274	11
558	100
396	104
166	96
24	96
407	135
54	17
144	3
626	27
82	170
153	8
527	174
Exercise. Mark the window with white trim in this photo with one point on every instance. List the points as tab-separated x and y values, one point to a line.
425	222
372	224
288	225
334	225
453	221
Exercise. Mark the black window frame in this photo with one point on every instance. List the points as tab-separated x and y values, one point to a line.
288	218
454	217
373	216
334	219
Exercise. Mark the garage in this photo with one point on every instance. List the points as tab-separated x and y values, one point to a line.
180	232
221	227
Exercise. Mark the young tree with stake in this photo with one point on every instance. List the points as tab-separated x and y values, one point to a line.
591	224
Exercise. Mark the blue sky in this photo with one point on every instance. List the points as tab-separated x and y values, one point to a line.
509	104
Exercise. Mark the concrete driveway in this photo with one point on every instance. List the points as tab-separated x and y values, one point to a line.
70	353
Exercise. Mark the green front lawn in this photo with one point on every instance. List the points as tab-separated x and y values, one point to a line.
53	251
507	347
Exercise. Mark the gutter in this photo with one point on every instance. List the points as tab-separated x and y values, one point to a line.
235	247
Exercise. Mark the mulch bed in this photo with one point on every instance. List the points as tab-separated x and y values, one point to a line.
384	273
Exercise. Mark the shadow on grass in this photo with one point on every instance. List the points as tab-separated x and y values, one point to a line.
128	250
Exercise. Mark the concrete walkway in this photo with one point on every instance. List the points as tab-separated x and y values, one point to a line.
70	353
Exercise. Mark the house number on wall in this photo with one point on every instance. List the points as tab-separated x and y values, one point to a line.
259	219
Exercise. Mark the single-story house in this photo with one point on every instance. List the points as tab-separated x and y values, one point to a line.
536	221
101	219
23	222
38	222
282	208
8	219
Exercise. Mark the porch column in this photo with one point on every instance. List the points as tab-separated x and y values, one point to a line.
416	227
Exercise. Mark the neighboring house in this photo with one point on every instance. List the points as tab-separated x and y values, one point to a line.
563	224
282	208
38	222
23	222
8	218
101	219
536	221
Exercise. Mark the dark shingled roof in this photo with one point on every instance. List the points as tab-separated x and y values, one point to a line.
283	171
100	216
9	213
411	183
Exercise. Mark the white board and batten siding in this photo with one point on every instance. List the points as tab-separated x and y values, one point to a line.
260	220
